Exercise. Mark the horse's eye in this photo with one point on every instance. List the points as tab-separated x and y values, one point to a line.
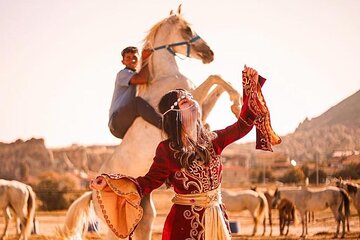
188	31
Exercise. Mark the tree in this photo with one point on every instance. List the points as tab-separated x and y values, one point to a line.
268	176
305	170
322	176
294	175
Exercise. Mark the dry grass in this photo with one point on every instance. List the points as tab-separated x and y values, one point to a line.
323	228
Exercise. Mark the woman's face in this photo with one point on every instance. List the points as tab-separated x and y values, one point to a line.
189	110
186	101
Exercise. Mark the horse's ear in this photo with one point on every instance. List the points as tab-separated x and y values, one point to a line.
179	10
171	12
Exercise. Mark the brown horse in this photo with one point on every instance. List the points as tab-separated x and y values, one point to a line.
286	215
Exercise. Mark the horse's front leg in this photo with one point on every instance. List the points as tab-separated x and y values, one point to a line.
306	224
302	224
264	225
358	210
143	230
281	222
255	226
270	221
338	217
342	219
6	214
288	224
201	92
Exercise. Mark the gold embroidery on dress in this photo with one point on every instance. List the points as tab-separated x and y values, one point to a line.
203	179
195	222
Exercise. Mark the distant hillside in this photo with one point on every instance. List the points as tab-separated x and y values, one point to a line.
346	113
336	129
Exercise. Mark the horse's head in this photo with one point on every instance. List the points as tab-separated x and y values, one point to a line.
339	182
175	36
275	199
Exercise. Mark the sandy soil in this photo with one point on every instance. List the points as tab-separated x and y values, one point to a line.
323	227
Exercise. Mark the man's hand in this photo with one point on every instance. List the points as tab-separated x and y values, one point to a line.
146	52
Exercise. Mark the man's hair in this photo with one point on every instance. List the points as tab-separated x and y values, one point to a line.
129	50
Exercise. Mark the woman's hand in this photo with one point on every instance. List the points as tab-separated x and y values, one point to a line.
250	72
98	184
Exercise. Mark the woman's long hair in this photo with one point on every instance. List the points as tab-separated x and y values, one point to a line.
173	127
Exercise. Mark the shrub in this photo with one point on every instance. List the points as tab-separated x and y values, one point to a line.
351	171
294	175
56	191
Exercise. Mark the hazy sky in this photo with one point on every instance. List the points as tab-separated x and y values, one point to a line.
59	59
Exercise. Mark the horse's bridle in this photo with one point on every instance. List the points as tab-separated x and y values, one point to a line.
169	47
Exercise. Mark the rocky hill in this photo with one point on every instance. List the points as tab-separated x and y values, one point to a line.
21	159
346	113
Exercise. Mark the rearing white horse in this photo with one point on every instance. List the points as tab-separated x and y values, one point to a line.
134	155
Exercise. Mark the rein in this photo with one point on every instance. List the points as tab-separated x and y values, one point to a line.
169	47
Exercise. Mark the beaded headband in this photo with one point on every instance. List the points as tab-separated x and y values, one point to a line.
176	103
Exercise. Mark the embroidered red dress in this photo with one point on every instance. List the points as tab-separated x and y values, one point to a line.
187	221
183	221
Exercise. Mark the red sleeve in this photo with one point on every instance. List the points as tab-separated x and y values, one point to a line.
232	133
158	172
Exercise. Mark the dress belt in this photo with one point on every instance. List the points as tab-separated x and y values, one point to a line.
206	199
215	226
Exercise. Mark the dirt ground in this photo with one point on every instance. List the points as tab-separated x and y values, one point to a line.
323	227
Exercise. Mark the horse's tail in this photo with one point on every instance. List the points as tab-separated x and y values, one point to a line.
76	218
263	207
30	211
263	210
346	201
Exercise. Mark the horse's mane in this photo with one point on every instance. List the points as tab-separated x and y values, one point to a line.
150	37
148	41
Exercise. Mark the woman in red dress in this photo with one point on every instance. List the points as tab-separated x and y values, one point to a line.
189	160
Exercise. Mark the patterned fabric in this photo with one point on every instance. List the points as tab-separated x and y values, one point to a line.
211	201
256	107
120	204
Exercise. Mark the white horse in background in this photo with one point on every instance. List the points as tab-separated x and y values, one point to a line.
20	198
354	191
306	200
250	200
169	37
